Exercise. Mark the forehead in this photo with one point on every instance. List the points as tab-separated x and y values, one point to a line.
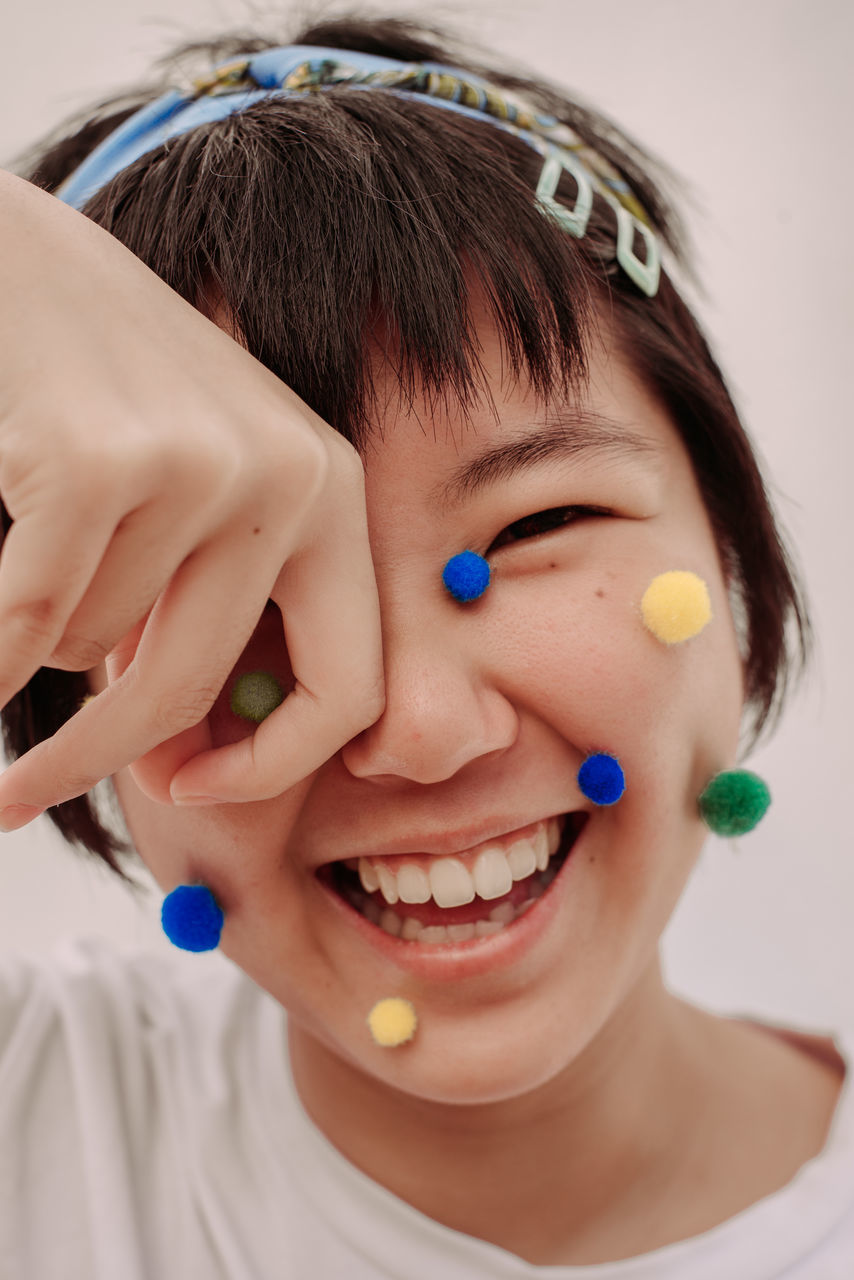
456	449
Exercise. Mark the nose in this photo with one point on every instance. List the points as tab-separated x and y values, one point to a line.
443	707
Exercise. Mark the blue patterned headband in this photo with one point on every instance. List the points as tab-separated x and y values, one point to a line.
300	69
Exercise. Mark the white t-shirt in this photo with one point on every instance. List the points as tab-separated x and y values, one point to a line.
150	1130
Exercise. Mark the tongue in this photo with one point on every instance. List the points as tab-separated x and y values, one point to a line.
428	913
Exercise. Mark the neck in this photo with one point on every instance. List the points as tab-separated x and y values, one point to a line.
545	1175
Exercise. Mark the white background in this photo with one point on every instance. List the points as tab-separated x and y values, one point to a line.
751	101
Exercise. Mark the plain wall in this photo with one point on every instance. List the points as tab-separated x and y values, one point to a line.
751	103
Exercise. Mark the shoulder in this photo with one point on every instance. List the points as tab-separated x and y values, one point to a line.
797	1080
91	974
132	1091
805	1081
103	1050
832	1048
98	1011
796	1112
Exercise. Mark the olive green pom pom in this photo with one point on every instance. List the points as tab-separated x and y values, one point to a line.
255	694
734	802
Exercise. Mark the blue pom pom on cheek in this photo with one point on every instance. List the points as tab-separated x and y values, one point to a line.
192	918
466	576
601	779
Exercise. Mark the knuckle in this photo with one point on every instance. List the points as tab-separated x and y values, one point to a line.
34	623
180	708
69	783
375	700
198	471
352	494
312	468
348	464
77	653
365	704
88	477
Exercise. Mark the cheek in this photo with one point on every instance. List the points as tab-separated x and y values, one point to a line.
582	662
576	652
237	850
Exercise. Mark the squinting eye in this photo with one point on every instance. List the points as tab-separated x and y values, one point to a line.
544	522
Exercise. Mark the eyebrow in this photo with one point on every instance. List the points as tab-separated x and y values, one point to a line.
562	435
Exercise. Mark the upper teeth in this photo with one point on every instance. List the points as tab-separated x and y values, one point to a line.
450	882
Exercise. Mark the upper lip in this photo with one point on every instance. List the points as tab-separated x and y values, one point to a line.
445	843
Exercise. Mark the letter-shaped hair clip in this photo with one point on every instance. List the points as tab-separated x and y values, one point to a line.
572	220
645	274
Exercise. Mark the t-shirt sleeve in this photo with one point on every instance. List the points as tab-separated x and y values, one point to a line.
128	1115
42	1166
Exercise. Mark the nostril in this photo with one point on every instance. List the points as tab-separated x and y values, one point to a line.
431	729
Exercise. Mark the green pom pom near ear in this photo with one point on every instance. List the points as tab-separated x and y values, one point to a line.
255	694
734	802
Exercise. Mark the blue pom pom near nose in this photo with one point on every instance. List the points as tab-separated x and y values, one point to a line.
466	575
601	779
192	918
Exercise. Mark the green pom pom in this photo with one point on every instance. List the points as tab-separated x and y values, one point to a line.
255	694
734	802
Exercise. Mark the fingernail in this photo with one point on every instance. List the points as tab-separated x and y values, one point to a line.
17	815
181	799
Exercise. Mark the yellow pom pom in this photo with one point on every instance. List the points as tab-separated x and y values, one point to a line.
392	1022
676	606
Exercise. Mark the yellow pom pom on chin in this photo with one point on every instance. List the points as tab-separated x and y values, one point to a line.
392	1022
676	606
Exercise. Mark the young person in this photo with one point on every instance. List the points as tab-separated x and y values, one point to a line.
413	323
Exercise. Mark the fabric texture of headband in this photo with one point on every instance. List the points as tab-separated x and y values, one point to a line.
301	69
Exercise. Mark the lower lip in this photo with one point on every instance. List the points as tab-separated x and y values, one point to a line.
455	960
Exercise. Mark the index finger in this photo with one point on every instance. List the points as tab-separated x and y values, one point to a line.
189	643
154	713
39	588
335	646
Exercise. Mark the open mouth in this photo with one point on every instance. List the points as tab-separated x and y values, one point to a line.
441	901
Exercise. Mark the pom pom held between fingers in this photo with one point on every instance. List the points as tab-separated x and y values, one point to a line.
734	802
601	779
676	606
255	695
466	576
392	1022
192	918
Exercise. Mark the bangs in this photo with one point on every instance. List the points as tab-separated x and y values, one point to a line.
329	225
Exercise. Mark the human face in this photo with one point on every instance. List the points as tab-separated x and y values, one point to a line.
491	708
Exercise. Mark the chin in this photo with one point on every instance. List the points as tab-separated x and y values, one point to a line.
493	1056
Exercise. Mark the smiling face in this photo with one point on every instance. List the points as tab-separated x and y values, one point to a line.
470	775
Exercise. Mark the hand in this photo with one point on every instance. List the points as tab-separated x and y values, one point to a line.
164	486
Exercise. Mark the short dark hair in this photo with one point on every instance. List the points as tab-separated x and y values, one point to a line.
315	216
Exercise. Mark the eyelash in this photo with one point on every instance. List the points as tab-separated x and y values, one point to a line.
543	522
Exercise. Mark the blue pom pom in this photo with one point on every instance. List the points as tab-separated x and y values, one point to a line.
466	575
601	779
192	918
